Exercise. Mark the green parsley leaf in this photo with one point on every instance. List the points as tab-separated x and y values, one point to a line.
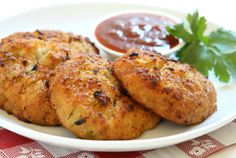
221	72
180	32
216	52
198	26
224	40
199	56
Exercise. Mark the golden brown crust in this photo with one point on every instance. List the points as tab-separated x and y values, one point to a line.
26	68
74	42
27	62
173	90
88	101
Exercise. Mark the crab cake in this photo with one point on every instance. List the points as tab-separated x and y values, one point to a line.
26	66
175	91
77	43
89	103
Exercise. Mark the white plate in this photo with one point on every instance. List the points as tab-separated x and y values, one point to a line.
79	18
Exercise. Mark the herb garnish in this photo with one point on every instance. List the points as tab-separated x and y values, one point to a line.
216	52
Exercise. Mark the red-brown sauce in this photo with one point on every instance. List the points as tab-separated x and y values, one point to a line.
142	30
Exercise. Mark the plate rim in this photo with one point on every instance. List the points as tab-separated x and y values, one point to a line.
112	145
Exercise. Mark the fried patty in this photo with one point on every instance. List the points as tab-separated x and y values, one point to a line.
27	62
175	91
89	103
26	66
74	42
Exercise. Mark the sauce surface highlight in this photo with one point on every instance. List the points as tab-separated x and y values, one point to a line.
142	30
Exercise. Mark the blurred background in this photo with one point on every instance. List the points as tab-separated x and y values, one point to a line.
221	11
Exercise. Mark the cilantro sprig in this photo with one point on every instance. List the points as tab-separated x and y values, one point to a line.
216	51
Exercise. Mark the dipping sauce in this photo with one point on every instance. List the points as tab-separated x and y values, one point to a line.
142	30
